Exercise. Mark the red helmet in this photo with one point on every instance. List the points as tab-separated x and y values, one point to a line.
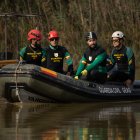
53	34
34	34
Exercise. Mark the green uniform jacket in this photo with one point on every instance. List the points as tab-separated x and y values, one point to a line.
93	59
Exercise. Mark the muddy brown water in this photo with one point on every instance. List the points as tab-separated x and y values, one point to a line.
96	121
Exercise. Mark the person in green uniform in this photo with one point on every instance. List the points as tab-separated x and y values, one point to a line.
57	55
93	63
122	61
33	53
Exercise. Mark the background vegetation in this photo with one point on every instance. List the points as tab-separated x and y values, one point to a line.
71	18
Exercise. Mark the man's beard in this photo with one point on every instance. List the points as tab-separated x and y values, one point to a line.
37	45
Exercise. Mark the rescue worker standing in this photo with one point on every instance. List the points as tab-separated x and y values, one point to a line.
33	53
122	60
56	55
93	63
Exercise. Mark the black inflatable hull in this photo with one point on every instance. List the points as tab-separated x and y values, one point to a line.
31	83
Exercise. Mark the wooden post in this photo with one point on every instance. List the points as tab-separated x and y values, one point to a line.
5	37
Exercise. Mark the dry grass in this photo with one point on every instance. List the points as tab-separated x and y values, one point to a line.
72	19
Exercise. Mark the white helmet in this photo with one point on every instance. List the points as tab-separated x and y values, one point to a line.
118	34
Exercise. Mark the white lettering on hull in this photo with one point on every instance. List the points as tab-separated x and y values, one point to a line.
114	90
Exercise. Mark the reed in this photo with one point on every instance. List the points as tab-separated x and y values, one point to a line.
72	19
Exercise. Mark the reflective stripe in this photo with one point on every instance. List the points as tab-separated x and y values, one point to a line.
84	62
43	59
110	62
21	58
90	34
67	57
130	62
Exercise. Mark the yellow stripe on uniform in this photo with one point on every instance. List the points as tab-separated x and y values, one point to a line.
110	62
21	58
130	62
84	62
67	57
43	59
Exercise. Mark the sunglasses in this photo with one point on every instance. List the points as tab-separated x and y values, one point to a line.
54	39
115	40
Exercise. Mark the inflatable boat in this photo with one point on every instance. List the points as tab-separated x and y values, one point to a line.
31	83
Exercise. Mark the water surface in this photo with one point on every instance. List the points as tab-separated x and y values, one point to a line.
96	121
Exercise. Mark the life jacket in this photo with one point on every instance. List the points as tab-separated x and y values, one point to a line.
55	57
92	53
121	59
33	55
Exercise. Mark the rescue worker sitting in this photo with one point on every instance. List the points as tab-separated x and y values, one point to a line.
57	55
93	63
33	53
122	61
